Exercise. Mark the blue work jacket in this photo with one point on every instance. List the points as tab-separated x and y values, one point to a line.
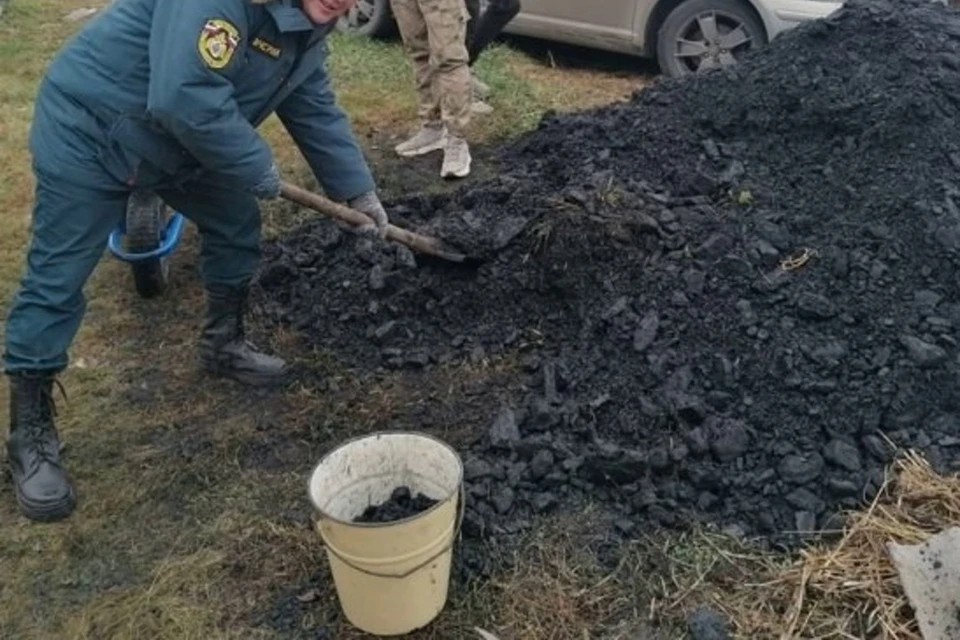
165	91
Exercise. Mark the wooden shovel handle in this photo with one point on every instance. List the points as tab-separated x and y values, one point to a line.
320	204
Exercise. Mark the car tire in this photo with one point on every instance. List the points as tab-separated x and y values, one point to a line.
371	18
713	33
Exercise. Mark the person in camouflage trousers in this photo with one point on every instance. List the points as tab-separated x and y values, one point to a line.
434	36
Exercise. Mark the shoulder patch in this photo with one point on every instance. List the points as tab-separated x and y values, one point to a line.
218	40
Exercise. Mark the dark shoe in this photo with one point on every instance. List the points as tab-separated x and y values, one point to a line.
224	350
43	489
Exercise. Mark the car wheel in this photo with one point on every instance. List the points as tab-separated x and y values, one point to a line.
700	35
372	18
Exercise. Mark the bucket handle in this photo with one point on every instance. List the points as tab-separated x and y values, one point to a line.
458	525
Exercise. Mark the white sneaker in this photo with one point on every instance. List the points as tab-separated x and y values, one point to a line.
456	158
480	89
428	138
480	107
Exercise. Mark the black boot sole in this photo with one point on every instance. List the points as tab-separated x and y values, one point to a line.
256	380
46	512
248	378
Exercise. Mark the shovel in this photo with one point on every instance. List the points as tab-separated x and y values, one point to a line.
415	241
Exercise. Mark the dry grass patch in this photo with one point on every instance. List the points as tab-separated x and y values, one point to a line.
522	88
852	590
553	585
843	590
557	589
174	604
575	89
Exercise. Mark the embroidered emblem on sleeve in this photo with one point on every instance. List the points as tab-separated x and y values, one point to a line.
218	40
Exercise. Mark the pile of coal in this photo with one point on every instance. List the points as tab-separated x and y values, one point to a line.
729	298
401	504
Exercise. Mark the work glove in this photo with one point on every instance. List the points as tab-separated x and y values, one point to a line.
268	187
369	204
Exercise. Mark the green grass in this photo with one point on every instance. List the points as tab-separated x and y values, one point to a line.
374	82
372	79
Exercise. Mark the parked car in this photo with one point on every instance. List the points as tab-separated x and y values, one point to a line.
684	36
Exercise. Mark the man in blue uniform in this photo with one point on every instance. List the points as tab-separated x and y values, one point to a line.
165	96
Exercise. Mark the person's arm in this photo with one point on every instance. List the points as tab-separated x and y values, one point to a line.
194	46
323	134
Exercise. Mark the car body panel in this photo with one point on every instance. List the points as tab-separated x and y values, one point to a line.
780	15
614	16
621	25
624	26
603	24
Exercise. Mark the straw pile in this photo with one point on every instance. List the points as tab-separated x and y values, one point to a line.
852	589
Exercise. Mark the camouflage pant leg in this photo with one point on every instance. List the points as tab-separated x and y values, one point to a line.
416	42
447	27
434	36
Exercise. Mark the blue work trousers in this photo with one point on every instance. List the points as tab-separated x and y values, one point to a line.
77	205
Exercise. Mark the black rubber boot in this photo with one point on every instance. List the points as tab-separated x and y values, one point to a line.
43	488
224	350
498	15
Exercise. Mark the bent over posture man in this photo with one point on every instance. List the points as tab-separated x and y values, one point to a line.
434	35
164	96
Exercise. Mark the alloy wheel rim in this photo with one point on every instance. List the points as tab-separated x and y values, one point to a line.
711	40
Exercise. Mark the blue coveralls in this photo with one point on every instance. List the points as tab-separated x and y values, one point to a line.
166	95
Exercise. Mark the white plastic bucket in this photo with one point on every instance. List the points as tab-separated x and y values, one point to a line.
391	578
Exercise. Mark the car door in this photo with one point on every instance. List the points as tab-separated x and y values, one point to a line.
607	24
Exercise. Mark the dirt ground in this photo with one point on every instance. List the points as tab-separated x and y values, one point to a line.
193	520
